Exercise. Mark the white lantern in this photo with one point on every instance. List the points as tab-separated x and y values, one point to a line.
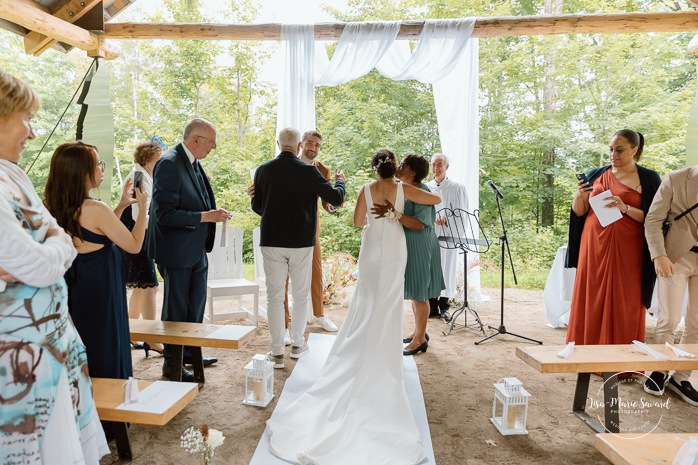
259	381
510	407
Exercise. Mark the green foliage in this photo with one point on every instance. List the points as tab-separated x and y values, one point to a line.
548	108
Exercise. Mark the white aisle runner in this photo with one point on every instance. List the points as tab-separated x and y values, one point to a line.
307	371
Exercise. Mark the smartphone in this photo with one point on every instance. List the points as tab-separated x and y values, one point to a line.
582	177
137	182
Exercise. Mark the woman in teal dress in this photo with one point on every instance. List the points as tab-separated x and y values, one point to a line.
423	276
46	405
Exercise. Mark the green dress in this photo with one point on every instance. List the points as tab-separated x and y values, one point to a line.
424	279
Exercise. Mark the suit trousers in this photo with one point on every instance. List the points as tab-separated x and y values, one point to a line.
670	294
279	263
184	297
316	285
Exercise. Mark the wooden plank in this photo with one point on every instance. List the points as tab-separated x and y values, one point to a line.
652	449
605	358
70	11
35	19
109	394
675	21
190	334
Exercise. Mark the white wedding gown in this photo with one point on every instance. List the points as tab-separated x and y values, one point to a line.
357	412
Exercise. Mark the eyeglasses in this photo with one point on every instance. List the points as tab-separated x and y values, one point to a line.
102	165
212	141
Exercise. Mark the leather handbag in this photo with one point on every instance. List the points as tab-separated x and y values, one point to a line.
666	224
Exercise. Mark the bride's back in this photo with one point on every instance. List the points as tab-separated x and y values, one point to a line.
382	190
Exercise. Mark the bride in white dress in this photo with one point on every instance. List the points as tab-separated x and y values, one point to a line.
357	412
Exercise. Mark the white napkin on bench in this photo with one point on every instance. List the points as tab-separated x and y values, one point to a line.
679	352
567	351
649	350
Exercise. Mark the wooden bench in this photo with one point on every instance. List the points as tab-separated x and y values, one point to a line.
609	360
110	393
196	335
652	449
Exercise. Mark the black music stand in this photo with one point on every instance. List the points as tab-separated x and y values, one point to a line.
501	329
459	231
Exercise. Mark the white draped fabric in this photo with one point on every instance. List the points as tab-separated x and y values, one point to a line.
445	57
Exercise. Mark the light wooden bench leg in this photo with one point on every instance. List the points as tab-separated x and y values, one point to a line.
123	443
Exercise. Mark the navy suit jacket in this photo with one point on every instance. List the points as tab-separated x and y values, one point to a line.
285	195
176	235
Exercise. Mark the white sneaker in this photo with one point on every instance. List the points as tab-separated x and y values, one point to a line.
287	338
277	359
325	323
299	351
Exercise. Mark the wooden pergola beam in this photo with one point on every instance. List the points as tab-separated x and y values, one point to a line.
680	21
70	11
36	19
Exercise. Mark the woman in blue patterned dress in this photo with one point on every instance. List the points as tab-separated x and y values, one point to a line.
47	413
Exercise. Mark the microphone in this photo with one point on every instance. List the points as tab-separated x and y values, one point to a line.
494	188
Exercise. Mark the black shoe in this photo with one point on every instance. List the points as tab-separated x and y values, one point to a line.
422	348
655	383
446	315
407	340
147	348
187	376
684	390
137	345
207	361
434	313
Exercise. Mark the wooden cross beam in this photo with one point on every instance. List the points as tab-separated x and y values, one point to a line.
29	15
70	11
681	21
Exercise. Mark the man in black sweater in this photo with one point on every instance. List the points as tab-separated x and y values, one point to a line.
285	195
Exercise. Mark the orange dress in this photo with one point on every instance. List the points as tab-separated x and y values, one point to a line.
607	298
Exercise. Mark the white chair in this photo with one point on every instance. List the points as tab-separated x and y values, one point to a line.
259	276
225	275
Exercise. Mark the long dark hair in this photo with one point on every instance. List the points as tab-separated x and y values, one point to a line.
64	194
635	138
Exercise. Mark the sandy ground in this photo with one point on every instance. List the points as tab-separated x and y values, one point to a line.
457	379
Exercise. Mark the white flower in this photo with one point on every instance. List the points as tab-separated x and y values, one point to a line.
215	438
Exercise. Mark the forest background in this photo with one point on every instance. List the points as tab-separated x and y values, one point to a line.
548	108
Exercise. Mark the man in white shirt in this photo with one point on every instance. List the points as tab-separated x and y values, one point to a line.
453	196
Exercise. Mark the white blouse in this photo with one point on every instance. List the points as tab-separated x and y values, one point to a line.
34	263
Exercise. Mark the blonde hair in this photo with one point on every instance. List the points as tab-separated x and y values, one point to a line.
16	96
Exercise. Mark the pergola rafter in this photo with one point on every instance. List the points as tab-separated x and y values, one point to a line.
680	21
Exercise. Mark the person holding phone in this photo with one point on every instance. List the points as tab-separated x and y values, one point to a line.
615	276
139	269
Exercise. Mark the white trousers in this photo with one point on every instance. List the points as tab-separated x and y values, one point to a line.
280	262
670	294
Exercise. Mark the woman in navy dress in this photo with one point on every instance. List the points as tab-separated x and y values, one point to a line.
96	291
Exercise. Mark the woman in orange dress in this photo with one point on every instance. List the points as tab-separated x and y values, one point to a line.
615	275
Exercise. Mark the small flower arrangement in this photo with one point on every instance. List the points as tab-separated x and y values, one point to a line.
203	441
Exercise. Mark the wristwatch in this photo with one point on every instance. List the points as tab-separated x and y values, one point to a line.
627	209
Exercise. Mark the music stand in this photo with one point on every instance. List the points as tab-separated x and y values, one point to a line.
459	232
501	329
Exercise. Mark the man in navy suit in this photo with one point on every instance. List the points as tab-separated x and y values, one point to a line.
182	228
285	195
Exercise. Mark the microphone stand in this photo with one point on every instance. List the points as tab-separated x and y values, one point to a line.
505	244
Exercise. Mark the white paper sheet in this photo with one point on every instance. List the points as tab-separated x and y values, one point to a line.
158	397
306	372
605	215
230	332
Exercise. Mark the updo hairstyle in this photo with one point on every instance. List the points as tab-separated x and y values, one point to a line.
635	138
384	163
